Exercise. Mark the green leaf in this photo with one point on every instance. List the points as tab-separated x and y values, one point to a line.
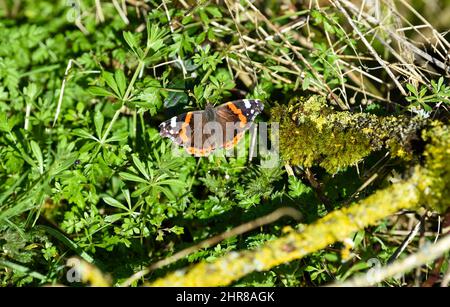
20	268
112	202
358	239
440	83
132	177
355	268
118	137
426	107
155	36
310	268
38	155
203	16
100	91
214	11
177	230
84	134
314	275
306	82
132	41
126	194
109	79
176	98
114	217
13	188
31	91
121	82
331	257
141	167
200	38
4	124
61	165
98	122
18	208
412	89
67	242
328	28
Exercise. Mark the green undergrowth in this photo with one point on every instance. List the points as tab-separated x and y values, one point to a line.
85	173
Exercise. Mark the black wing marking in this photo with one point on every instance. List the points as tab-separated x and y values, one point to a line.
182	128
236	117
171	128
250	108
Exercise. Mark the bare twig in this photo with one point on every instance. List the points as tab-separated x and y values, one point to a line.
401	39
422	242
242	40
427	254
80	26
369	47
99	11
298	55
122	14
179	60
407	240
27	115
317	186
61	92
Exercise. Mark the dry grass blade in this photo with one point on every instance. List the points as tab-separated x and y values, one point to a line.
423	256
369	47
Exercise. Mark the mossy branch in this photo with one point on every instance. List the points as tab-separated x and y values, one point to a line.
312	133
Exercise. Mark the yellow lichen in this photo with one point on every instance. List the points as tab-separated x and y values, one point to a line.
436	182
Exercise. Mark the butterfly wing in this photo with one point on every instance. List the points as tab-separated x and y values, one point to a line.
193	131
187	130
236	117
173	127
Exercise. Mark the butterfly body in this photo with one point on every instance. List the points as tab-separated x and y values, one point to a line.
203	132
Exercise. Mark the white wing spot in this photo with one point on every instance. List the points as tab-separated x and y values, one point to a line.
173	122
247	103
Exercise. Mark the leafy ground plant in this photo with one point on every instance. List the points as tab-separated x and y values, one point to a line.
91	194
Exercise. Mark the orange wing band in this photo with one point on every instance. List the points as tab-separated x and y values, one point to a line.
199	152
183	135
238	112
234	141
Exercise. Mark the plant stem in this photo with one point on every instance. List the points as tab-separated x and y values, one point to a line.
133	79
124	99
111	123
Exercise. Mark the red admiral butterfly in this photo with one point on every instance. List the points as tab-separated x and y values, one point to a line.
202	132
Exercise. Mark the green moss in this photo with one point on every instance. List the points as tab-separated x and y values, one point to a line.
436	180
312	133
